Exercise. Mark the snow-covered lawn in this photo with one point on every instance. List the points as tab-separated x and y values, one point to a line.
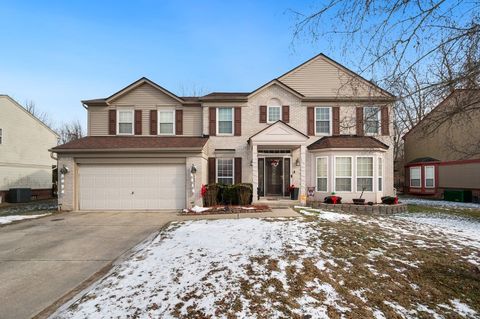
439	203
13	218
322	265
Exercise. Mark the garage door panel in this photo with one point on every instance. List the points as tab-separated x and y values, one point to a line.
132	187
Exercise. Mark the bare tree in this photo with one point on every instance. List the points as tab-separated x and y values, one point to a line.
31	108
192	90
70	131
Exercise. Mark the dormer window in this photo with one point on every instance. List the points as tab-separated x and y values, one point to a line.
371	120
125	122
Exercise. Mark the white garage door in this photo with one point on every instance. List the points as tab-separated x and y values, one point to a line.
132	186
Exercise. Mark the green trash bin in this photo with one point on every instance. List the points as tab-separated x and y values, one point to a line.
456	195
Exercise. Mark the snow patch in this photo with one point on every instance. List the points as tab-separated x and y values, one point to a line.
13	218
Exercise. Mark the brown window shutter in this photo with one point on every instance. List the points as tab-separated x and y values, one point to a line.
153	122
238	121
336	120
212	121
138	122
112	122
311	121
385	121
286	113
211	170
263	114
178	122
238	170
359	120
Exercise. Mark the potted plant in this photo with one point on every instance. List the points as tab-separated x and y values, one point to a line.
333	199
360	201
293	192
389	200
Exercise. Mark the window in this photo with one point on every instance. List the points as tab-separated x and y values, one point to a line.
322	174
166	122
380	174
225	121
429	176
343	174
274	113
322	120
225	171
1	136
364	174
125	122
371	119
415	177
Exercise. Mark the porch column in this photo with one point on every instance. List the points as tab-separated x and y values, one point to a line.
254	171
303	164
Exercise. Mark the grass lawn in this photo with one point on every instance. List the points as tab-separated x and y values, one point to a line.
321	265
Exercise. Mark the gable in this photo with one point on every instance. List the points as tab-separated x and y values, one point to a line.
144	94
323	77
279	132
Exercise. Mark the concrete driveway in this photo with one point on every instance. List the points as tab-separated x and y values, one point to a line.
42	260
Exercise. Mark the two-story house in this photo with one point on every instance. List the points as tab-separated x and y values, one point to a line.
25	161
319	126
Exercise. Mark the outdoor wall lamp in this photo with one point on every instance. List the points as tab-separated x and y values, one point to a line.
297	162
64	170
193	169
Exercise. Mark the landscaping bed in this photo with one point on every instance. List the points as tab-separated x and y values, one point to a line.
225	209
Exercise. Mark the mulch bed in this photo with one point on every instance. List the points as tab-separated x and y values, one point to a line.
222	209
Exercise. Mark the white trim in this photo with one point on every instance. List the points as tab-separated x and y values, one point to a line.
166	110
358	176
425	175
233	168
217	120
123	109
316	173
268	113
380	174
330	120
335	174
410	176
379	115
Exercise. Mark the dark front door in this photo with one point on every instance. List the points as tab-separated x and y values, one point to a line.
274	176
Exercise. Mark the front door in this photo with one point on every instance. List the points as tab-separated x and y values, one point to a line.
274	176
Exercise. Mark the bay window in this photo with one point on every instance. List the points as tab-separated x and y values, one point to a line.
380	174
322	174
225	171
125	122
415	177
323	120
224	121
343	174
364	174
429	176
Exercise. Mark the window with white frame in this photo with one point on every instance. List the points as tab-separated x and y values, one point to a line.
274	113
429	176
323	120
343	174
380	174
371	119
166	122
125	122
225	171
322	174
1	136
415	177
225	121
364	174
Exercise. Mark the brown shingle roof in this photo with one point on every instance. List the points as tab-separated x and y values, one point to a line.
112	143
347	141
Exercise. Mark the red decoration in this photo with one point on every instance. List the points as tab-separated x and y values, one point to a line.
203	190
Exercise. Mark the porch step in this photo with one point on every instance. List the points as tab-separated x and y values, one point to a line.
277	202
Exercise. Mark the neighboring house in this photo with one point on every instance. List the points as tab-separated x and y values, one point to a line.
318	126
24	157
442	152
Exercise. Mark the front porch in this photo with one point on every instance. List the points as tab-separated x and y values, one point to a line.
278	161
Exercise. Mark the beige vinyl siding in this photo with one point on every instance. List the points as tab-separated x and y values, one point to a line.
192	121
466	175
98	120
321	78
145	94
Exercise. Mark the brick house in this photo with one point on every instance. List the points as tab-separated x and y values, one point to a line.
319	127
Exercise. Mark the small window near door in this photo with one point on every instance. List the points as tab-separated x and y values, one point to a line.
225	171
274	113
415	177
125	122
1	136
429	176
322	174
166	122
322	120
364	174
343	174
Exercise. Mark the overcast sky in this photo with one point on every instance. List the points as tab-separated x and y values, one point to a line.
57	53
